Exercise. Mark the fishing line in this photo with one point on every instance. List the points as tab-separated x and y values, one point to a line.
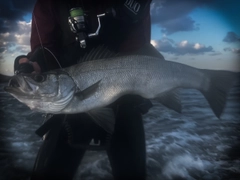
43	46
47	115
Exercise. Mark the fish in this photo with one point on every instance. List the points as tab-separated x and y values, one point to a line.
92	85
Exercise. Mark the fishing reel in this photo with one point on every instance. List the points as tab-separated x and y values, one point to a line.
78	25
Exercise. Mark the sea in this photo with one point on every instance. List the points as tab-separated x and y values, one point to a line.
193	145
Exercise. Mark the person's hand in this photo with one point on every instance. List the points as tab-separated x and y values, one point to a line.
26	66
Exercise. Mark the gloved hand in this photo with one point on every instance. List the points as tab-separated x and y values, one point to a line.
24	68
23	65
130	11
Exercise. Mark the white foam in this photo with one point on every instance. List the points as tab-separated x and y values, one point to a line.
180	165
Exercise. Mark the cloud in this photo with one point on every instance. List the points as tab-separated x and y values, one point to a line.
23	34
20	36
24	49
215	53
227	49
237	50
17	41
12	11
231	37
234	50
173	15
7	38
2	49
1	59
184	23
24	26
184	47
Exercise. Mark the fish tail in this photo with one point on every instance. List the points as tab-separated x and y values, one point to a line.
218	86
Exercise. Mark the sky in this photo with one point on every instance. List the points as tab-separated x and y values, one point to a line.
200	33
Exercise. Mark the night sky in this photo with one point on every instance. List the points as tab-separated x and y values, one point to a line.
201	33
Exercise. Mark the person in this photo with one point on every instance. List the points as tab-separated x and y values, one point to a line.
53	45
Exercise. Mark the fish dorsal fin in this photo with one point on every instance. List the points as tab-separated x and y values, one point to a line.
104	117
100	52
171	100
88	91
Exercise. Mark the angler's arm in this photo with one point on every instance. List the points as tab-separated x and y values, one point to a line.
132	11
43	33
135	16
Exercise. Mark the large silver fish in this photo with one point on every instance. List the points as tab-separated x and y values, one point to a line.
92	85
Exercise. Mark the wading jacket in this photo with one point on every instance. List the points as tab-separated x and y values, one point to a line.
128	31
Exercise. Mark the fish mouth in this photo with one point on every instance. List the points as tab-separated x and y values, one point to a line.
18	86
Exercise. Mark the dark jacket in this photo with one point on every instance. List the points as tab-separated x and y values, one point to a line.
50	27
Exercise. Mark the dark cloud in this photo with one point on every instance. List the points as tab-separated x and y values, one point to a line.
227	49
237	51
22	49
2	49
184	23
14	31
215	54
234	50
231	37
7	38
173	15
7	41
15	9
165	45
169	46
1	58
18	41
25	6
12	11
13	48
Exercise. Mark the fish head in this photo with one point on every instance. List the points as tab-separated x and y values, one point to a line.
46	92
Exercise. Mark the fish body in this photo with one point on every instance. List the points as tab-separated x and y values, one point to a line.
92	85
97	83
146	76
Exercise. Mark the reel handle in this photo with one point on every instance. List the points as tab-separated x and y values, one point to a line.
77	24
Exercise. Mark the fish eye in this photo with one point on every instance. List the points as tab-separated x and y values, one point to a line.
38	78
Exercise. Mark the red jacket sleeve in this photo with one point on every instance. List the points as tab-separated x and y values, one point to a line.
44	25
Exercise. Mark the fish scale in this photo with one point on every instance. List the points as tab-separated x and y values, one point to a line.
142	75
98	83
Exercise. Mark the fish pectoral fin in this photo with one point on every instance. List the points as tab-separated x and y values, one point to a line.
88	91
171	100
104	117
